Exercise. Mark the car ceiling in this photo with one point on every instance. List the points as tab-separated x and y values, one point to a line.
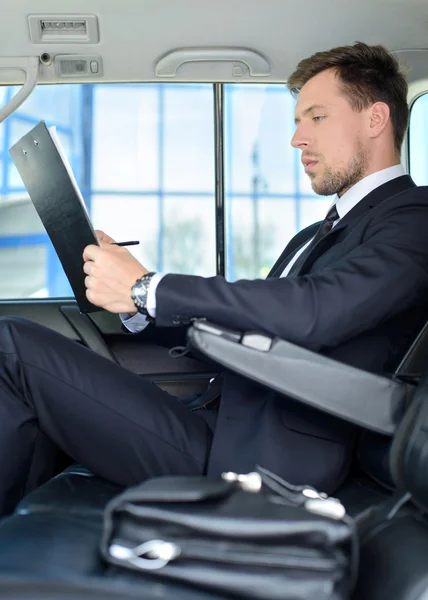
135	34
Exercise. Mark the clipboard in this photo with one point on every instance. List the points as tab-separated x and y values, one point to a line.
53	190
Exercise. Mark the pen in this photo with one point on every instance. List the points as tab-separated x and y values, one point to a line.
129	243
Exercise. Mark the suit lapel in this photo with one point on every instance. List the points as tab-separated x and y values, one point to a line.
375	197
299	240
378	195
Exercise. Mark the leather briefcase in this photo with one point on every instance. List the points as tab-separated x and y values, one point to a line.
248	536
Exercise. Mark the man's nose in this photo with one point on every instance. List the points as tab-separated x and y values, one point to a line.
300	139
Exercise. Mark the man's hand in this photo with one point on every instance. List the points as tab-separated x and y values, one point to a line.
103	238
111	271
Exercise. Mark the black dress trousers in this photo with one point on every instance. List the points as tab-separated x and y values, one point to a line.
58	397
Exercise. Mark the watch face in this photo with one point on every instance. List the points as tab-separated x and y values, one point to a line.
139	293
142	288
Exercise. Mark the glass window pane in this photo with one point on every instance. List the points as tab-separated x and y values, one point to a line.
189	235
125	138
23	271
312	210
418	137
106	215
143	157
268	196
188	139
260	224
60	104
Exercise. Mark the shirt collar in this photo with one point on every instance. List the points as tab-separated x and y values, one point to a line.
363	187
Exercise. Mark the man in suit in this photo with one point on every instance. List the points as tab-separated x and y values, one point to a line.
354	288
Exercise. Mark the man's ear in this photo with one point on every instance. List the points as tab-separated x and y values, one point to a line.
378	118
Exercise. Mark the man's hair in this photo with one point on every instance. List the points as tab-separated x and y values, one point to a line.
367	74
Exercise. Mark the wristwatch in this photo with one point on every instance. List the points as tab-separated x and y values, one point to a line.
139	293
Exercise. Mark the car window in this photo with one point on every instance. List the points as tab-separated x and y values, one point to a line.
143	156
268	195
418	140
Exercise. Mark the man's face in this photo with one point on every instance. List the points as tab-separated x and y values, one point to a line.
331	136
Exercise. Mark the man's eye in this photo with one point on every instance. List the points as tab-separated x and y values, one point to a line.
318	118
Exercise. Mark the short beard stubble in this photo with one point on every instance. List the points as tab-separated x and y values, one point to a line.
340	181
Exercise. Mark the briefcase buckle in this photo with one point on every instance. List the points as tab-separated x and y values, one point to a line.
150	556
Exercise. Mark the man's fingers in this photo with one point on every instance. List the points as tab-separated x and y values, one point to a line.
90	295
88	266
91	252
102	237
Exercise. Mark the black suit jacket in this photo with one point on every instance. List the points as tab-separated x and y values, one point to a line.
361	296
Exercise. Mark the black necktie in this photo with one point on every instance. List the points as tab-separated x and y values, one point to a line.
324	228
326	225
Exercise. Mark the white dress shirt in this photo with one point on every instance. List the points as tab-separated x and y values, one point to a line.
344	204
